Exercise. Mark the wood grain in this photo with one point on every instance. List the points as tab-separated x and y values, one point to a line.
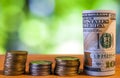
51	58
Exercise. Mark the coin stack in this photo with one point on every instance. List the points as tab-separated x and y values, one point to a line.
15	62
40	68
67	66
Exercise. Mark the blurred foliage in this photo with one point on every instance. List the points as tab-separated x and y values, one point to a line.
57	32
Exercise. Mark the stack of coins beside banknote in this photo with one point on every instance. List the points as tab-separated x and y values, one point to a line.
15	63
40	68
67	66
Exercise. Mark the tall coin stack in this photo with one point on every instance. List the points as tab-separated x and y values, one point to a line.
40	68
67	66
15	63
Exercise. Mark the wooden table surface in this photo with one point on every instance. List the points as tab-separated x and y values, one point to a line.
51	58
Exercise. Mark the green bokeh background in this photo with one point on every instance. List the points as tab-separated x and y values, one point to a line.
57	32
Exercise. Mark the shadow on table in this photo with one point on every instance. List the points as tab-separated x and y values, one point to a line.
1	72
82	72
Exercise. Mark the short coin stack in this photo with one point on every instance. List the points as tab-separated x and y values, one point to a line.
67	66
40	68
15	62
